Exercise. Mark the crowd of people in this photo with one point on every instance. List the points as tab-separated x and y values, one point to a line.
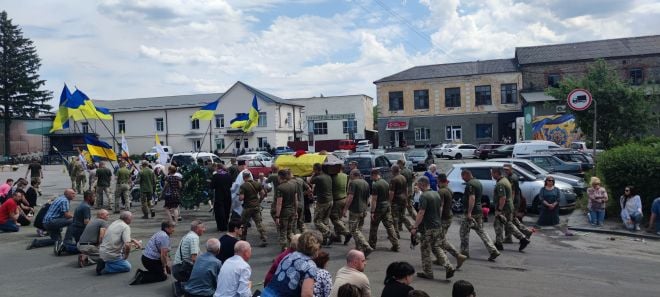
423	205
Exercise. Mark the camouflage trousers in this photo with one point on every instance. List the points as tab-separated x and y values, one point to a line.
122	191
383	215
102	194
476	224
145	201
399	217
335	217
504	221
444	243
432	242
516	222
286	226
321	218
254	214
80	183
355	224
300	222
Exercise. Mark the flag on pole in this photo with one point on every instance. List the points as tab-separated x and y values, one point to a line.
239	121
61	120
161	154
80	108
253	116
207	112
124	146
100	149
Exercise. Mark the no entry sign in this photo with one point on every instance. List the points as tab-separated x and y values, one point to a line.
579	99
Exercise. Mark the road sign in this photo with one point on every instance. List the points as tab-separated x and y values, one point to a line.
579	99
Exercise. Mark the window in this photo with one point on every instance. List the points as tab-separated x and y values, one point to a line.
121	126
237	143
396	101
509	93
553	80
636	76
194	124
349	126
262	141
160	126
382	161
263	119
453	97
481	173
453	133
321	128
422	134
220	144
484	130
220	121
421	98
84	127
482	95
197	145
289	119
245	143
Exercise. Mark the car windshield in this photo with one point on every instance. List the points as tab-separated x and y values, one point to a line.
394	156
505	148
183	160
362	163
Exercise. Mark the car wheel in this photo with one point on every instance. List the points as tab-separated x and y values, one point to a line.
458	156
457	206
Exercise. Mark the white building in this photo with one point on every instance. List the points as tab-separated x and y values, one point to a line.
334	117
170	117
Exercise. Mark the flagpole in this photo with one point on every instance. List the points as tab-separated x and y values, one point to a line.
88	126
210	136
204	138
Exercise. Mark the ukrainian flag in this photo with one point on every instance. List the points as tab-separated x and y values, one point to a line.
207	112
240	121
98	148
253	116
80	108
61	120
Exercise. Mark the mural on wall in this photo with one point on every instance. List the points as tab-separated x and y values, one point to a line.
558	128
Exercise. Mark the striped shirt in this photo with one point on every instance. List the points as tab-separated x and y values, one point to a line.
188	246
157	242
57	209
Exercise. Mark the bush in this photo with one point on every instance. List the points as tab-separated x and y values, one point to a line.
636	164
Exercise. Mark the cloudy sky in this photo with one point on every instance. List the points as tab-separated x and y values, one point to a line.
114	49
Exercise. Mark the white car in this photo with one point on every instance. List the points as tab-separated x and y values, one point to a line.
437	151
458	151
363	146
263	158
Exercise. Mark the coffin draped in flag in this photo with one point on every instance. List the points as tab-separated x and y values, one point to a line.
100	149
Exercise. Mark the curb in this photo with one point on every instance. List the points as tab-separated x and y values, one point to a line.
640	234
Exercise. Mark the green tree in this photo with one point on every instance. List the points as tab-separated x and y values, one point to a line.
624	112
375	114
19	81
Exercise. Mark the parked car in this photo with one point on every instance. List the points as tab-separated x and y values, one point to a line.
505	151
582	146
459	151
483	150
183	159
438	150
579	187
265	158
570	155
363	146
347	144
530	185
151	154
420	158
256	167
366	162
528	147
283	150
554	164
395	156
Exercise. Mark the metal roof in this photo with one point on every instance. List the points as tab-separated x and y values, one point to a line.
155	103
270	98
607	48
453	69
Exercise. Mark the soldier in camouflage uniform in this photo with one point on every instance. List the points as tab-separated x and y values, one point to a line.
251	193
429	222
517	199
504	211
339	188
473	216
399	198
78	172
356	204
380	211
410	178
285	208
322	186
273	179
447	200
303	187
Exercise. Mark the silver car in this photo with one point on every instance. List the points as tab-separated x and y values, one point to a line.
530	185
395	156
579	187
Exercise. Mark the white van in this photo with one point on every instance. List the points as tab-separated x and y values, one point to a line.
151	154
528	147
201	158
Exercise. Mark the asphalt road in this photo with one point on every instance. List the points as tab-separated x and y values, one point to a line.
553	265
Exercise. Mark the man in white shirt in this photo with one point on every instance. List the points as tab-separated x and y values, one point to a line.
352	273
234	276
236	203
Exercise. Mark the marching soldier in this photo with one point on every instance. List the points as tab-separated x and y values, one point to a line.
473	216
322	185
399	198
356	204
303	187
273	179
410	178
429	221
122	188
517	199
446	198
285	208
504	211
251	193
339	187
380	211
78	173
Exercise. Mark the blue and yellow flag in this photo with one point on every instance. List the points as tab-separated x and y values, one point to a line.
80	108
61	120
239	121
253	116
100	149
207	112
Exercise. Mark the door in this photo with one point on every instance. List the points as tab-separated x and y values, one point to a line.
454	133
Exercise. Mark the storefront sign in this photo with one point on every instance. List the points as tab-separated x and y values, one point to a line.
397	125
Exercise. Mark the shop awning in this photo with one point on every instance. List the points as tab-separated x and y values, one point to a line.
400	124
537	97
